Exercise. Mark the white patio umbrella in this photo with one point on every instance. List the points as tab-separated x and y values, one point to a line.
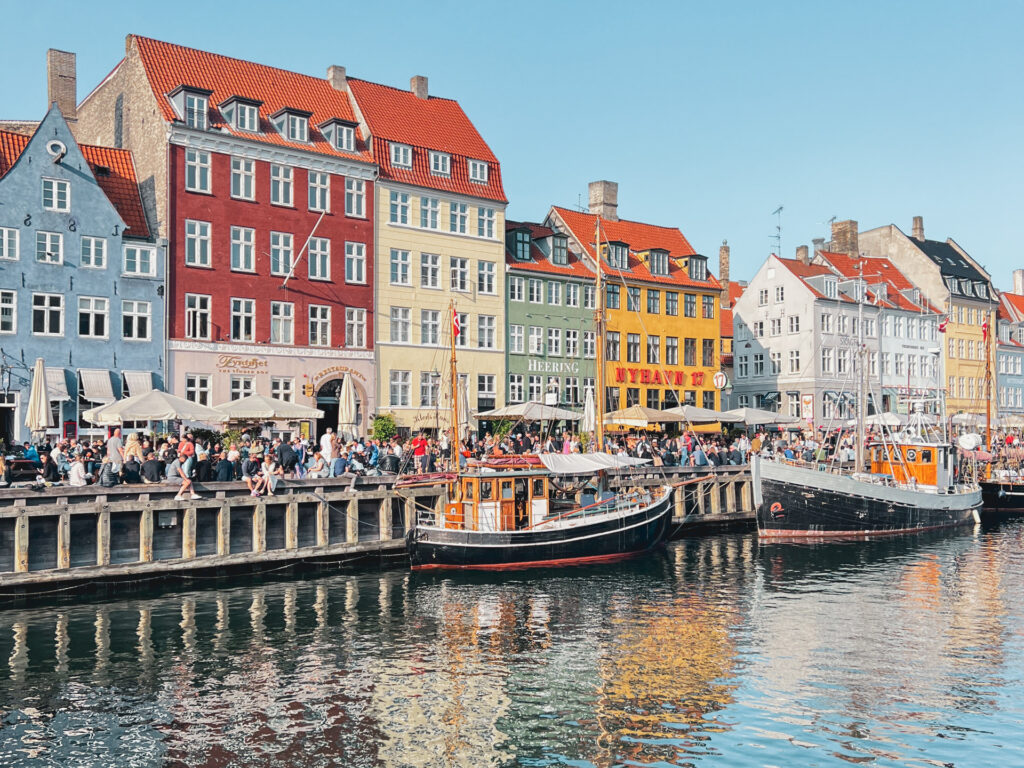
153	406
641	416
695	415
589	422
881	420
757	417
967	419
267	409
38	417
347	408
530	411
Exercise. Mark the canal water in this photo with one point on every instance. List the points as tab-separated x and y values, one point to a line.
718	651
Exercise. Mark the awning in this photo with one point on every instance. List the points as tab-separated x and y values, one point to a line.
137	382
56	385
96	386
771	396
830	395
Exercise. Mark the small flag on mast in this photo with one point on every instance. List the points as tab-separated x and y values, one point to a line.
984	330
456	328
943	324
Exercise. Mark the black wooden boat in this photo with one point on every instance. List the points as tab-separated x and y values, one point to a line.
1001	498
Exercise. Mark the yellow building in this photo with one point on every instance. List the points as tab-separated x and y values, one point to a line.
662	307
440	229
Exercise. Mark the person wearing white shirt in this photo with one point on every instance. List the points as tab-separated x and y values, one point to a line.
327	446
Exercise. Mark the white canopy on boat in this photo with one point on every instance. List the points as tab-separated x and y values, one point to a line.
531	411
584	463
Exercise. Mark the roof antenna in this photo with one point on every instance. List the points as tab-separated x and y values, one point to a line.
777	237
579	202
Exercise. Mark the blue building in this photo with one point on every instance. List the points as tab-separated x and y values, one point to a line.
81	280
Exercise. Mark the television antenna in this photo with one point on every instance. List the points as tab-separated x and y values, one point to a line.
777	237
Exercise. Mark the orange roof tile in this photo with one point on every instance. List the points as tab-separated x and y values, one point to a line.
114	170
639	237
538	261
725	323
169	66
878	269
1015	302
398	115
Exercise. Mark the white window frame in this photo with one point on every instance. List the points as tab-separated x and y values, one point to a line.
243	178
355	327
243	249
430	327
282	178
430	271
400	327
197	243
477	171
196	108
197	308
247	117
355	198
96	309
244	310
486	281
282	322
401	155
459	272
535	340
516	288
45	245
516	339
555	342
197	388
485	218
319	325
355	263
458	218
241	386
282	252
535	288
430	212
318	254
133	312
53	192
319	191
10	241
572	294
399	386
297	127
515	388
197	171
398	273
399	207
345	138
554	293
8	310
440	163
94	253
49	308
486	332
572	342
282	388
142	254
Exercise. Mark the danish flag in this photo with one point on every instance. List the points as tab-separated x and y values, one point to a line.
456	328
943	324
984	330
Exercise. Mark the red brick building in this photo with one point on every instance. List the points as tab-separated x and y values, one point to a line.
262	185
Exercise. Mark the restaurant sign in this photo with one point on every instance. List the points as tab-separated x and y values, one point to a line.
657	376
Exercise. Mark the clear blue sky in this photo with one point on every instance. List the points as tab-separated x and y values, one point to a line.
708	115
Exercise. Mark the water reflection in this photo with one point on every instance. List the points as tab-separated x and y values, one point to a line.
900	651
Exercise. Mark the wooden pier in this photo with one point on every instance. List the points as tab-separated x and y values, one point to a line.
61	538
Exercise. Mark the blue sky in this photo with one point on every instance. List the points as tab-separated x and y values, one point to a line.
708	115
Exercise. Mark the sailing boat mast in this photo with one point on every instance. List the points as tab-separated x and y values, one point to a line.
455	393
858	455
987	332
599	344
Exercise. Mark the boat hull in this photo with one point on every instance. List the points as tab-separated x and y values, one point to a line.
1001	499
796	502
610	538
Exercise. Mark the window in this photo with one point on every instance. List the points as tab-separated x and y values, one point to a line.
197	388
430	382
560	251
572	389
195	111
93	317
401	155
399	208
319	325
654	350
899	363
56	195
522	245
430	324
282	388
399	267
632	299
775	326
477	171
400	325
49	247
345	138
689	305
758	329
430	212
440	164
247	117
515	339
281	184
398	385
94	252
671	303
534	390
690	352
843	324
281	244
589	297
197	170
589	345
632	396
632	347
241	386
355	197
485	277
282	330
618	255
654	398
572	294
243	320
135	320
831	288
243	249
459	217
515	387
462	339
536	292
762	297
555	342
139	260
611	296
780	294
430	270
485	222
827	359
775	359
758	364
826	322
707	304
485	332
794	323
8	243
197	243
298	127
697	267
708	353
355	263
653	302
319	258
355	327
319	191
554	293
794	360
459	273
243	178
572	343
197	316
742	367
659	262
671	350
536	340
869	327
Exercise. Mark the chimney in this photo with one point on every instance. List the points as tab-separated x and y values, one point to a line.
418	86
336	77
918	230
844	237
801	254
604	199
61	83
723	272
819	245
1018	282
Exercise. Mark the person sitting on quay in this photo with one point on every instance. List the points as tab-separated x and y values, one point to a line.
251	473
224	469
108	476
77	475
271	473
131	471
340	465
176	476
151	469
30	453
48	470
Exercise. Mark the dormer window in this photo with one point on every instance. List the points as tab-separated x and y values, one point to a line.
298	128
618	255
560	250
831	288
658	262
522	245
440	164
697	267
242	113
340	134
980	290
192	104
292	123
401	155
477	171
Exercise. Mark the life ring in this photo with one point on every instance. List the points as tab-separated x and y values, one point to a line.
776	507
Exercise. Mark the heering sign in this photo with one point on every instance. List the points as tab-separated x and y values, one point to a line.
657	376
243	364
551	366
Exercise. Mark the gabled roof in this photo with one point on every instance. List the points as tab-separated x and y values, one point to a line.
539	262
880	270
640	237
168	66
949	260
1011	306
397	115
114	170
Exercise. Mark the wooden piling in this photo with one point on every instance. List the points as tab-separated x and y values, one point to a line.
352	521
21	544
188	533
146	535
730	497
259	527
291	525
323	524
224	529
384	519
716	498
103	537
64	540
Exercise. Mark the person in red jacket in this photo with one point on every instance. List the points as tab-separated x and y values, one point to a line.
419	452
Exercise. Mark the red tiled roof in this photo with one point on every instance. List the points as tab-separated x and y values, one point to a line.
1016	302
168	66
725	323
803	271
114	170
639	237
393	114
725	316
875	270
541	263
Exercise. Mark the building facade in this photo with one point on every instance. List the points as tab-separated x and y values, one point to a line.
550	305
262	183
661	306
440	249
81	282
1009	361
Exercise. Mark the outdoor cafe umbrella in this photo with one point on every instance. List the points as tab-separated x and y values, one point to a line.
153	406
757	417
589	423
38	417
695	415
263	408
641	416
531	411
347	408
